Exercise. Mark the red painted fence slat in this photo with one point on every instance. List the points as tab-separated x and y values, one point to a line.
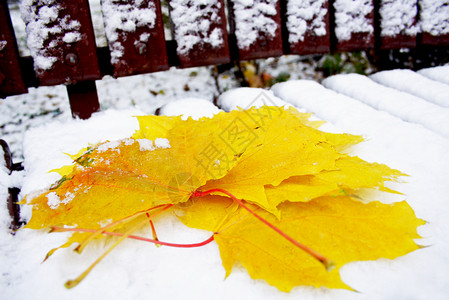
257	28
307	24
354	24
199	28
397	24
61	41
11	82
434	18
135	33
83	98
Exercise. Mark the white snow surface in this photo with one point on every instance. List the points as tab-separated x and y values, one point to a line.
149	145
42	24
121	17
253	18
413	83
398	17
146	145
162	143
304	16
248	97
351	17
53	200
45	147
403	105
190	107
434	15
440	73
192	28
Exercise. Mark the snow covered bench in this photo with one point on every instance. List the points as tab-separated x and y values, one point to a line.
400	129
63	50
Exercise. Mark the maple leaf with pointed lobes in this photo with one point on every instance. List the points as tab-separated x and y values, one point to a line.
283	139
278	194
339	227
123	174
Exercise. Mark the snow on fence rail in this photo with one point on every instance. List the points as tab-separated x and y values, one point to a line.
61	39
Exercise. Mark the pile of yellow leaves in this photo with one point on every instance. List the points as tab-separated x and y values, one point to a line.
280	196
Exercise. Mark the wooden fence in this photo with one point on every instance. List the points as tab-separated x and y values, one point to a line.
205	32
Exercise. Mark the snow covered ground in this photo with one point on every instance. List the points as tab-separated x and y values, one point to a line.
403	135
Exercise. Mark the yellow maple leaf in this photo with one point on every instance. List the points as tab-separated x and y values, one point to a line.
286	147
152	127
270	157
350	175
340	228
115	179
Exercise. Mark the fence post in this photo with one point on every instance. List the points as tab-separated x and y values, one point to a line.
396	24
11	81
353	25
135	33
307	26
199	28
434	18
257	28
83	98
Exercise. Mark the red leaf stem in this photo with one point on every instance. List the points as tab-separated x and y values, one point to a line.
135	237
322	259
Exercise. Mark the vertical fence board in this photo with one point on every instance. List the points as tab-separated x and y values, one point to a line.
11	81
434	17
135	33
307	24
83	98
199	28
257	28
13	192
354	24
396	23
61	41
